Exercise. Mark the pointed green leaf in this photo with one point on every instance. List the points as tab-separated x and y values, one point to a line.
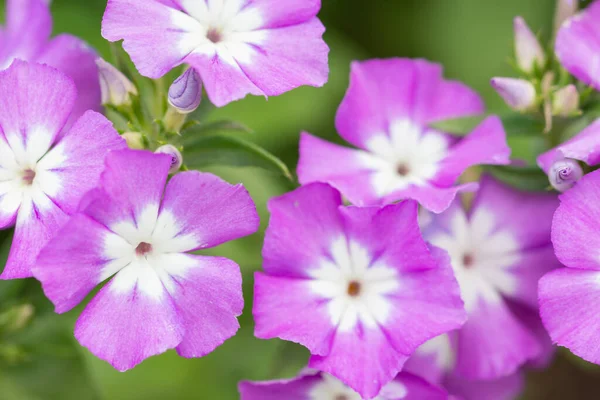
200	151
528	178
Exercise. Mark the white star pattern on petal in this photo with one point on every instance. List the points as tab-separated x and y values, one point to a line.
355	287
408	155
481	255
331	388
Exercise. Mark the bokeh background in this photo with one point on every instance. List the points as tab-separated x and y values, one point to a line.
471	38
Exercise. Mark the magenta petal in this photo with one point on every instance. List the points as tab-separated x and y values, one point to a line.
583	147
277	14
288	309
38	221
28	27
493	343
289	389
74	261
575	225
132	183
289	57
485	145
227	213
433	198
303	223
569	302
35	104
209	298
341	167
124	328
76	59
382	91
224	82
78	159
151	36
577	45
361	359
507	388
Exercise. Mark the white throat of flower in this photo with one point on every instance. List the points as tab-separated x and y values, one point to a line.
146	254
220	27
481	255
26	177
331	388
354	285
441	349
408	155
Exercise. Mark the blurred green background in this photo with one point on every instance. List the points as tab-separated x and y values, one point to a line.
471	38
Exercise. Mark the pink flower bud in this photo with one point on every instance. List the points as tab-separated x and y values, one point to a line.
185	93
176	157
115	87
565	101
564	174
528	50
519	94
565	9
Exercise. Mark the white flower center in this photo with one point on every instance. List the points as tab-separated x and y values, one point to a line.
226	28
408	155
330	388
482	255
355	285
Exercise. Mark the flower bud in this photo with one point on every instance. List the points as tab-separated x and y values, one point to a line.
565	9
185	93
176	157
519	94
134	140
114	86
563	174
528	50
565	101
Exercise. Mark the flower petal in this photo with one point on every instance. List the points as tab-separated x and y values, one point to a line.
77	161
569	302
130	319
298	388
76	59
383	91
575	225
577	46
207	208
303	224
81	256
208	294
289	309
506	388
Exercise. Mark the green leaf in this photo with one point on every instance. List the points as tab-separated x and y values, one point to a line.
211	128
514	124
8	289
200	151
53	367
529	178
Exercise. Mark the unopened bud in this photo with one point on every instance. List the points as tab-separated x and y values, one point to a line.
185	93
565	9
134	140
16	318
565	101
176	157
519	94
528	50
114	86
564	174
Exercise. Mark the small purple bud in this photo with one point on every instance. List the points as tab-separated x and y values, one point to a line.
519	94
565	101
564	174
114	86
528	50
185	93
176	157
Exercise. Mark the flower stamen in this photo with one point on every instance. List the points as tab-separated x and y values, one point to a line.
143	248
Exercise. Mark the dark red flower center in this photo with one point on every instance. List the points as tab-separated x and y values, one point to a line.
28	177
354	288
214	35
402	169
143	248
468	260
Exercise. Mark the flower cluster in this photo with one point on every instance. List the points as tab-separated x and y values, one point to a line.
405	262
